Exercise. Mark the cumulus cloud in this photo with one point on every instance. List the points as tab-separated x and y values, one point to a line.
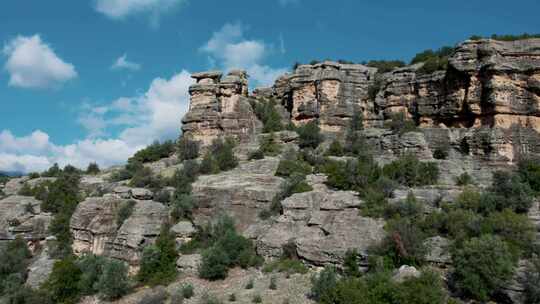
120	9
122	63
153	115
31	63
230	49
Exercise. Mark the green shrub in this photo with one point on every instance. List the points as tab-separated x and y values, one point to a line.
257	299
516	229
124	212
323	285
222	151
273	283
250	284
482	266
309	135
182	207
53	171
288	167
409	208
154	152
514	37
145	178
350	263
285	265
375	204
462	224
375	87
335	149
209	164
63	282
187	148
268	115
158	263
187	291
225	248
409	171
511	192
210	299
440	153
384	66
93	169
400	124
426	289
14	258
529	171
91	267
531	282
269	146
113	283
232	297
464	179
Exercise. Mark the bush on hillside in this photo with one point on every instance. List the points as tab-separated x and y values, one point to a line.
124	212
154	152
323	285
187	148
335	149
113	282
529	171
482	266
158	263
409	171
384	66
267	113
531	282
63	282
464	179
400	123
516	229
14	258
309	135
93	169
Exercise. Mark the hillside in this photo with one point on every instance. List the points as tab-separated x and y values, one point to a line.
341	183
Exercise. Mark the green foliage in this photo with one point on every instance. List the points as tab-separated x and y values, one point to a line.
124	212
482	266
510	192
182	207
464	179
409	171
350	263
128	171
250	284
285	265
113	283
529	171
145	178
309	135
375	87
335	149
515	229
209	164
273	283
187	148
531	282
225	249
267	113
426	289
289	166
210	299
400	124
440	153
93	169
508	37
433	60
384	66
14	258
403	245
91	267
53	171
222	151
158	263
154	152
256	299
269	146
63	282
323	285
187	291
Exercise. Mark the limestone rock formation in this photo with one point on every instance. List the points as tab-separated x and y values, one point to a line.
21	215
322	224
219	107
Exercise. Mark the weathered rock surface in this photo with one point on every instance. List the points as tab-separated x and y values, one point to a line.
21	215
322	224
220	106
242	192
94	228
189	263
39	270
438	250
404	273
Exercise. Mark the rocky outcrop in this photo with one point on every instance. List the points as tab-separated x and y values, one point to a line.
95	228
242	192
322	224
219	107
21	215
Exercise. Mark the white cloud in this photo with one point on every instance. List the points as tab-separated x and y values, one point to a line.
32	63
154	115
231	50
120	9
123	63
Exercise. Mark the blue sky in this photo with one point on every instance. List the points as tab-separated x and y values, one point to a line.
96	80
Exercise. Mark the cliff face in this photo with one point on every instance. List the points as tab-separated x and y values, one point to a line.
488	98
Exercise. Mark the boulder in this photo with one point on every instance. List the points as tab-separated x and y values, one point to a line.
189	264
438	250
39	270
405	272
141	194
21	215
